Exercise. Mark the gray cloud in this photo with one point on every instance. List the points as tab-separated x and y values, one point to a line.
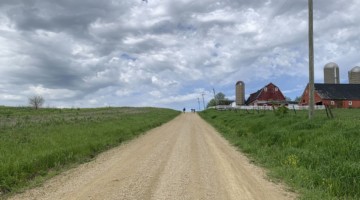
165	53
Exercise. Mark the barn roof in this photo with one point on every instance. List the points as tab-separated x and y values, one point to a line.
338	91
258	94
253	97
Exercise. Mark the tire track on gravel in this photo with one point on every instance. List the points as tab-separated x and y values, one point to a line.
183	159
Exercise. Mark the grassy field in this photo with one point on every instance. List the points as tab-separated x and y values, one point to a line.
39	143
320	159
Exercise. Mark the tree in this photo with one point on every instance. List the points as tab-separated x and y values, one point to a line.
211	103
220	96
219	99
36	101
298	99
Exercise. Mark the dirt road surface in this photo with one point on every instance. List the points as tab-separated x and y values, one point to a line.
183	159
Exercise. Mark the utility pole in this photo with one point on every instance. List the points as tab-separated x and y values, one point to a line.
216	103
311	61
199	102
202	94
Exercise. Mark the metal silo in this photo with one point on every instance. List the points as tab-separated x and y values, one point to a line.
240	93
331	73
354	75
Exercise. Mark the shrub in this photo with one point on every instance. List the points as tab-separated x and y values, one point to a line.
281	111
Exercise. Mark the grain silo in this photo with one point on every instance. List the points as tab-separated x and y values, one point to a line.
331	73
354	75
240	93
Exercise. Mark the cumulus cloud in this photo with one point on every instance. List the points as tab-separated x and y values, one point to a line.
117	53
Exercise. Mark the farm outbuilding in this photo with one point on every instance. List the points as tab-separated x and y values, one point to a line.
268	95
334	95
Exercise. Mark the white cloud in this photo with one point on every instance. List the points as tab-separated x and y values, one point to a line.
179	98
81	53
51	94
10	97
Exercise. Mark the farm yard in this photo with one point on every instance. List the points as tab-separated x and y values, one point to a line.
318	158
37	144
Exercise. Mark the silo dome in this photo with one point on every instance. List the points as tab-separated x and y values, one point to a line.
240	83
354	75
331	65
355	69
331	73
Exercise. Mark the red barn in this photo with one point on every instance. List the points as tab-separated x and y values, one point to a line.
334	95
268	95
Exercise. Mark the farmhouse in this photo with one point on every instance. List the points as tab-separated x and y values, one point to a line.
334	95
268	95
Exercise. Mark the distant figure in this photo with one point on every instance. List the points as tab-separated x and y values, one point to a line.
184	109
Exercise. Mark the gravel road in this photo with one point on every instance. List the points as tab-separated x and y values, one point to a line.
183	159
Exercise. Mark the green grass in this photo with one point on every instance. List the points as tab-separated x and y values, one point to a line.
36	143
319	159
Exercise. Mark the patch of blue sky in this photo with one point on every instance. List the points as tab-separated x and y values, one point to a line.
126	56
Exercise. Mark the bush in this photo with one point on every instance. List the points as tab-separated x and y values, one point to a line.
281	111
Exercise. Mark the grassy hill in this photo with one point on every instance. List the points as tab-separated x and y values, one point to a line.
320	159
39	143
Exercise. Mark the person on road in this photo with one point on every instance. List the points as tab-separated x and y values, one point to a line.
184	109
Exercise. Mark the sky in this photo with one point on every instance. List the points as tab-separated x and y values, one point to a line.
166	53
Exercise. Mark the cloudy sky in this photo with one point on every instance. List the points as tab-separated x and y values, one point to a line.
166	53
